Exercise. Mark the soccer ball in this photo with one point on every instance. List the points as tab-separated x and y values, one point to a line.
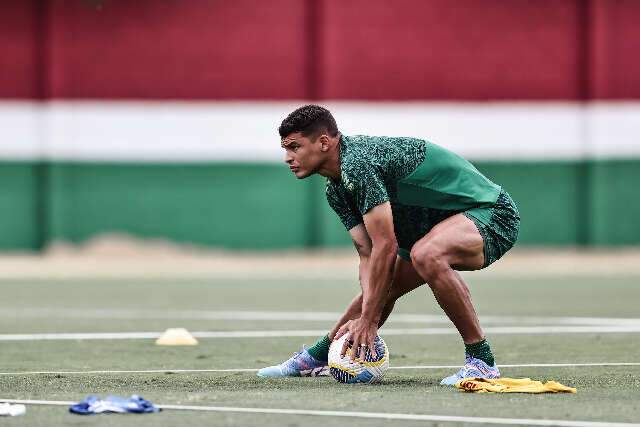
369	370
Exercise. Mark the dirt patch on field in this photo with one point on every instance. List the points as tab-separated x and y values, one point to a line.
122	256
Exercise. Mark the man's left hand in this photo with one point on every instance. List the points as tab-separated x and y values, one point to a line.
361	335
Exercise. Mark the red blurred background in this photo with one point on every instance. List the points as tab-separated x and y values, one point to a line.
321	49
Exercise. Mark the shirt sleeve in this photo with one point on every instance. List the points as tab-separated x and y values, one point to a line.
368	188
348	215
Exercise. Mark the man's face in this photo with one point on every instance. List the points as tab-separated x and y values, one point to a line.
303	155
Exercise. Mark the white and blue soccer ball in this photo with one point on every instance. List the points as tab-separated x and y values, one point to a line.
362	370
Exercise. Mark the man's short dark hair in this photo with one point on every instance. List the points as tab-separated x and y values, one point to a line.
309	120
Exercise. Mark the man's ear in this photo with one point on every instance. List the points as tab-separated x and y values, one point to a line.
324	142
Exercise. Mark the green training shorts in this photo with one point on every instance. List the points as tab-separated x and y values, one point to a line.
498	225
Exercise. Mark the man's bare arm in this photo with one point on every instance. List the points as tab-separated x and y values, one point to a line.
384	248
362	242
378	273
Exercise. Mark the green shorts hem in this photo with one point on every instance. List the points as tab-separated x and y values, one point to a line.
498	225
483	233
405	254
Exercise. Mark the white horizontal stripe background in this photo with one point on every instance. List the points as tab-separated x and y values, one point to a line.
21	131
247	131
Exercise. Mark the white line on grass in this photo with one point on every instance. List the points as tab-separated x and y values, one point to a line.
496	330
417	367
527	365
114	313
145	371
368	415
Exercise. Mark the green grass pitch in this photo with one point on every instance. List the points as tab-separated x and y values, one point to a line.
605	393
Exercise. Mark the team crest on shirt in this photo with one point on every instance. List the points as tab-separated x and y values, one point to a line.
347	183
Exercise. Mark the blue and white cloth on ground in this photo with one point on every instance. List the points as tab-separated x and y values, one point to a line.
113	404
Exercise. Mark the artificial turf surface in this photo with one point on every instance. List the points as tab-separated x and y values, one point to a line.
605	393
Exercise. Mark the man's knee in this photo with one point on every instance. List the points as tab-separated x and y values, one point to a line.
430	260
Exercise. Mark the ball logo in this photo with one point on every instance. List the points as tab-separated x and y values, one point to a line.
365	369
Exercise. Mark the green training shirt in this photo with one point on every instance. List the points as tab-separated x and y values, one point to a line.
423	182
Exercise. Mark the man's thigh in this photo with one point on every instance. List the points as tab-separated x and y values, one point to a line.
456	239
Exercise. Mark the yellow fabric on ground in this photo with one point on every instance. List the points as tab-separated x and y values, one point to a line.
512	385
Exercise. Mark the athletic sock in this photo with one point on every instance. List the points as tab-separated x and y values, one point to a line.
320	350
480	350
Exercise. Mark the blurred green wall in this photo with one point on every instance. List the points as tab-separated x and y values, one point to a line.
19	219
261	206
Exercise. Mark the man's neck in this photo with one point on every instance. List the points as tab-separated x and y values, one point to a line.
331	168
